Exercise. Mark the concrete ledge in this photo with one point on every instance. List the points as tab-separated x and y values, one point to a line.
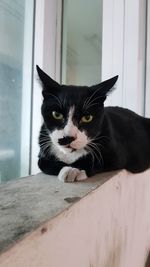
109	227
28	202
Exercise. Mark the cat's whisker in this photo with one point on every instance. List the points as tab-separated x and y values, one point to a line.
44	134
45	148
98	150
42	145
95	155
98	137
45	143
91	152
89	104
98	144
44	137
89	98
44	140
94	146
86	102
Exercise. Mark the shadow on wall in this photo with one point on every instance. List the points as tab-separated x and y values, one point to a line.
148	261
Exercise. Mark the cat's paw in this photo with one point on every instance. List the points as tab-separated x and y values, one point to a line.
69	175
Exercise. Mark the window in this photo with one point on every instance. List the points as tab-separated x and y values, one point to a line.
82	42
97	42
16	35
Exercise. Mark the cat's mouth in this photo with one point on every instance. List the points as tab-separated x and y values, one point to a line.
71	148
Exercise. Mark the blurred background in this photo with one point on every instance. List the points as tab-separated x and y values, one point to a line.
78	42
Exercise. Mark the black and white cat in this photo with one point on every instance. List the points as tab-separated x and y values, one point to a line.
80	137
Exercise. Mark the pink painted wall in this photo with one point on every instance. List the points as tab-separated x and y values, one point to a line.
110	227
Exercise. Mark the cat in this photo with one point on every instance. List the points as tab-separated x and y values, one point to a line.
80	137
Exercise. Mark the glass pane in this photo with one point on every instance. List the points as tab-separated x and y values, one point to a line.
16	20
82	42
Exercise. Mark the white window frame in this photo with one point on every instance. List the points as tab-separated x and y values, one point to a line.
124	46
26	89
47	49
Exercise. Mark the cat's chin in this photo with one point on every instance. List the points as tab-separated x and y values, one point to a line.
68	149
65	149
66	154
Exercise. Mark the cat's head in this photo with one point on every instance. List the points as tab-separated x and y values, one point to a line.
73	114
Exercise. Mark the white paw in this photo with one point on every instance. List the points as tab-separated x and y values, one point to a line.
69	174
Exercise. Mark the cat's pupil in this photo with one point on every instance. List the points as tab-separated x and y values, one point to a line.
87	117
57	114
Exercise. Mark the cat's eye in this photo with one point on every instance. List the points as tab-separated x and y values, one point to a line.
87	118
57	115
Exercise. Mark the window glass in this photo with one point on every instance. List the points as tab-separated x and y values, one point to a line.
82	42
16	31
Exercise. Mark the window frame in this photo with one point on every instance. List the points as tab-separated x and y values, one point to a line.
47	54
122	49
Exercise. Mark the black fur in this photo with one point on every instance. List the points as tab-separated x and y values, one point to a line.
122	136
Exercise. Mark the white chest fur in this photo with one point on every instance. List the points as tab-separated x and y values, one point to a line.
67	156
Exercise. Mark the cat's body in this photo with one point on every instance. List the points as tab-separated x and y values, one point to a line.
90	138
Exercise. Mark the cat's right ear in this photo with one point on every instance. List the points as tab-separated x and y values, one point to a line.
48	83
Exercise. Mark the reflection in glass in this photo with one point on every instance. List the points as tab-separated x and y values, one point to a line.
82	42
13	46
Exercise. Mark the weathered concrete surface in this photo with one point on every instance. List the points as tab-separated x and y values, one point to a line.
28	202
109	227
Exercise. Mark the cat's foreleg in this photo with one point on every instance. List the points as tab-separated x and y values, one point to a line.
65	173
51	167
69	174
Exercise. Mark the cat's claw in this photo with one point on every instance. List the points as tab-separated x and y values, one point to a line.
69	175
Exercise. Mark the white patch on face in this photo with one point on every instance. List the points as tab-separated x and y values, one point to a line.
70	129
63	153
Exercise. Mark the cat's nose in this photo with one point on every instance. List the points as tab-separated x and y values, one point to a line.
66	140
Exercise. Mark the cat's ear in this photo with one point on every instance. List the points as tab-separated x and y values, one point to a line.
48	83
104	88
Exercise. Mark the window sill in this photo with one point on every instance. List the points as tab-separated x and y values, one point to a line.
109	225
28	202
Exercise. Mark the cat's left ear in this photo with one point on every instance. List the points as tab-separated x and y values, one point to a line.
48	83
104	88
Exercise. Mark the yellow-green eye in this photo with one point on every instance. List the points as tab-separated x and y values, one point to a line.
57	115
87	118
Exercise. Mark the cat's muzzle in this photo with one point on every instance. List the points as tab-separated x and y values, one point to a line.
66	141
